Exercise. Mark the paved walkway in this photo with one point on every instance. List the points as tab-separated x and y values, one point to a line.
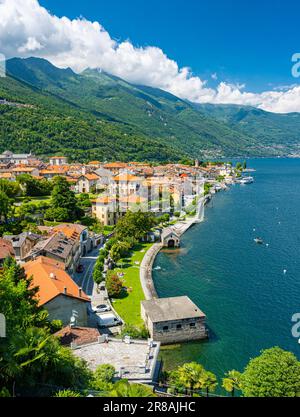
146	271
147	263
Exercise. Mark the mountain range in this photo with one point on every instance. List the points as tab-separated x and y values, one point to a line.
94	115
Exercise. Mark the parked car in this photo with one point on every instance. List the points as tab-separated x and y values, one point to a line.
108	320
102	308
80	268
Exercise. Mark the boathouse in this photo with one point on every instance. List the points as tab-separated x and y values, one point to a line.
173	320
170	239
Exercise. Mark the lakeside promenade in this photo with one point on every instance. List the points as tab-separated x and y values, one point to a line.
147	263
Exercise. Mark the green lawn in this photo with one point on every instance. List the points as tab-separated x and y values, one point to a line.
129	307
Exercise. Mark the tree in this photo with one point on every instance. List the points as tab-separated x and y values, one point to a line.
134	225
209	382
103	378
34	187
10	188
114	285
119	250
124	389
67	393
57	214
5	206
63	198
191	376
232	382
275	373
30	355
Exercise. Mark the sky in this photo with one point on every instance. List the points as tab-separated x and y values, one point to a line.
213	51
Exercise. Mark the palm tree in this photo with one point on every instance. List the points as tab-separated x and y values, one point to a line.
190	376
67	393
232	381
209	382
124	389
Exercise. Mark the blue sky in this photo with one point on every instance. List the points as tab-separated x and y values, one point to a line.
246	42
219	52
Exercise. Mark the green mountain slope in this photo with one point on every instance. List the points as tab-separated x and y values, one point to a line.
53	125
149	111
280	132
94	115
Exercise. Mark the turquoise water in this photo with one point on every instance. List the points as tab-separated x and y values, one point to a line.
240	285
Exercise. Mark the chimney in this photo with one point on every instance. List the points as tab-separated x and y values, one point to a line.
65	290
52	275
83	170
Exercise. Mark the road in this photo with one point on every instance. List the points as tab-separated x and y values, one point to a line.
85	279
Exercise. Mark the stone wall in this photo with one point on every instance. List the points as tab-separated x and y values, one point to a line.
178	330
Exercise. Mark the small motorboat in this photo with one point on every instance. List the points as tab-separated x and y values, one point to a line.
246	180
258	240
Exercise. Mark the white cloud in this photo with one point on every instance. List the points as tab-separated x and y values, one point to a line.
27	29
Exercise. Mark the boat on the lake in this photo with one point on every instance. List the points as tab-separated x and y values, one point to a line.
258	240
246	180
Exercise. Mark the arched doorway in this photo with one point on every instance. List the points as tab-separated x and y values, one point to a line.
171	243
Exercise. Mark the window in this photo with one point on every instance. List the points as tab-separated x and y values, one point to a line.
178	326
192	325
165	328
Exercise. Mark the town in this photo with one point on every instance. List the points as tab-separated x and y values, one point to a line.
86	236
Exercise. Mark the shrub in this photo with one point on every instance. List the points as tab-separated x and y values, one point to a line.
135	332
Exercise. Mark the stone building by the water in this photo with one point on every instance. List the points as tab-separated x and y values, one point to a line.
173	320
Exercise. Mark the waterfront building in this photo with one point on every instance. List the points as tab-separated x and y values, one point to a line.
173	320
169	238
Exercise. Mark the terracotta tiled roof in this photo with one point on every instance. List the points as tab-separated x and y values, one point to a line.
6	175
23	169
115	165
94	163
52	279
78	335
71	231
91	177
127	178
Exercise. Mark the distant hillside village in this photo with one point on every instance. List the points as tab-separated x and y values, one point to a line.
70	225
119	186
